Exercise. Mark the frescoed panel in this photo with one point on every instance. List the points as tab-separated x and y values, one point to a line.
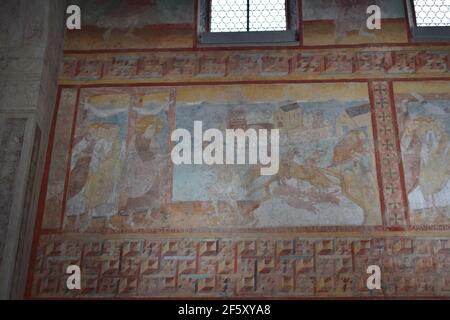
133	24
423	110
267	65
227	267
144	176
119	160
11	139
327	172
330	22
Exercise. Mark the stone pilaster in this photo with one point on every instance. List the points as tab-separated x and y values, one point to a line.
31	39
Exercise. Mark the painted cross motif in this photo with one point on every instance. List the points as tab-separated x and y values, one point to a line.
394	211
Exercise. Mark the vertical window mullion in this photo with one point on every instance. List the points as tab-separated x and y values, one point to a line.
248	15
208	15
413	9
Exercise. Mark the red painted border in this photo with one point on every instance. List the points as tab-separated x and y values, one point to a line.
399	152
242	82
42	197
377	155
69	159
172	125
259	48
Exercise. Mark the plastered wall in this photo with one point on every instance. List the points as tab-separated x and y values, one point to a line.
364	174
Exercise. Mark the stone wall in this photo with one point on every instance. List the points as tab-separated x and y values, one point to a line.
31	36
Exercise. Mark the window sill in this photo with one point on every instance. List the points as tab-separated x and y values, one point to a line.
249	38
430	33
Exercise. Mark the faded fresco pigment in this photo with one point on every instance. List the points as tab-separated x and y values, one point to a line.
363	178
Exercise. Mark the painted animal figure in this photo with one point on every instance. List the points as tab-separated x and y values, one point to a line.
295	198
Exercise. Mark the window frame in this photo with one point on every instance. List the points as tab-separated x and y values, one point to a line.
423	34
287	37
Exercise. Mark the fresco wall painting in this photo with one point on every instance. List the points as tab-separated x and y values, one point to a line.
338	22
335	151
133	24
327	160
363	180
138	24
424	124
119	160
